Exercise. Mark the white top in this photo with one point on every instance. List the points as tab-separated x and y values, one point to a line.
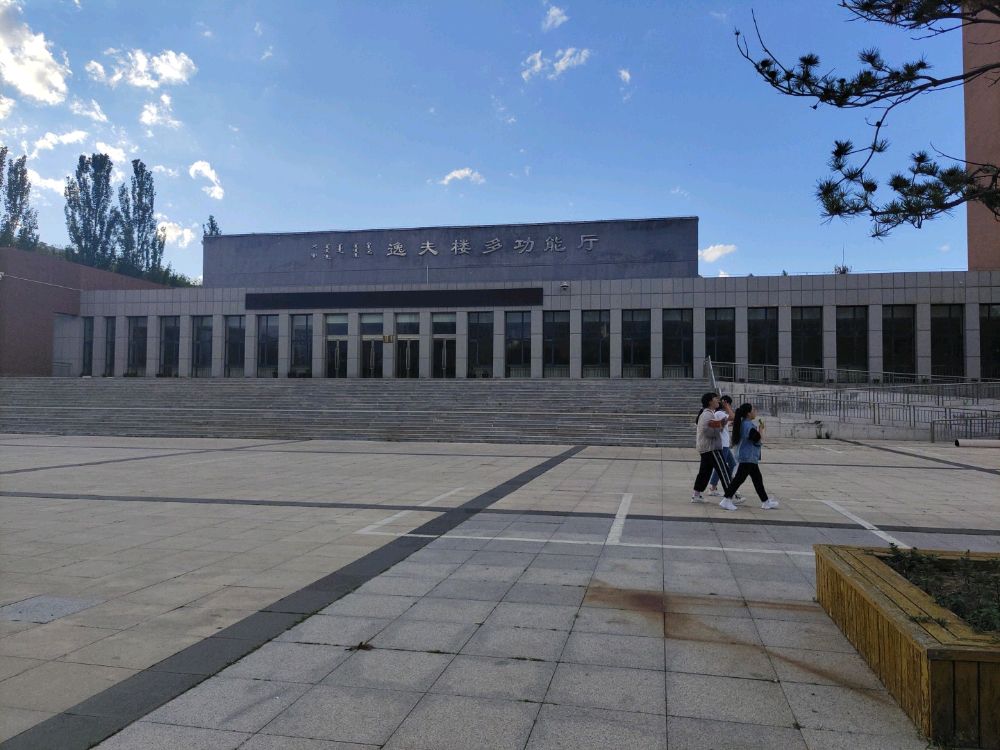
726	437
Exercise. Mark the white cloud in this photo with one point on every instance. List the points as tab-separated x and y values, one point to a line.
37	181
258	29
532	65
26	63
501	111
50	140
625	75
719	15
945	248
206	32
555	18
160	169
176	234
159	114
138	68
723	274
269	52
678	190
568	58
6	105
234	128
465	173
92	110
204	169
116	154
713	252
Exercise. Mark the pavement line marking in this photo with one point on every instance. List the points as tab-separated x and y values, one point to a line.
579	541
865	524
402	513
832	450
618	525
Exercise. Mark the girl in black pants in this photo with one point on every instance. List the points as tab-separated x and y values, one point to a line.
747	439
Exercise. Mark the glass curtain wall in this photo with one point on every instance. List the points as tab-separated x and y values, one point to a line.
947	340
852	343
136	362
595	343
555	344
720	334
267	346
899	342
518	344
407	345
371	345
635	343
480	345
336	345
201	346
301	346
762	343
989	340
109	347
444	326
678	343
235	344
170	346
87	368
807	343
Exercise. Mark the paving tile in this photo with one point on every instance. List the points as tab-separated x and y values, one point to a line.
149	736
473	572
55	686
237	705
823	668
398	586
564	562
612	688
386	669
50	641
702	604
136	696
556	576
619	621
370	605
711	657
335	630
345	714
134	649
787	610
449	610
710	629
818	739
805	635
449	722
45	608
540	616
635	652
565	727
422	635
487	677
727	699
846	710
289	662
65	731
457	588
12	665
274	742
539	593
516	643
13	721
703	734
408	569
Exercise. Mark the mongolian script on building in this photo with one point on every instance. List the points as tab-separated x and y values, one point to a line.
552	243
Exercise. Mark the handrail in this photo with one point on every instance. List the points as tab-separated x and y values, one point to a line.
708	372
965	428
836	377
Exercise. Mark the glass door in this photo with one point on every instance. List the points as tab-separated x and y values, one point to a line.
444	358
407	358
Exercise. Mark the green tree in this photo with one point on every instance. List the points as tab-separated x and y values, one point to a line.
211	229
91	219
19	225
139	247
927	189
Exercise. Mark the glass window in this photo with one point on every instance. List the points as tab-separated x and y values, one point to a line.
371	324
720	334
480	345
267	346
301	346
948	340
136	362
109	347
678	343
443	324
201	346
807	341
635	343
852	342
555	343
595	343
235	346
407	324
170	346
762	335
518	344
899	340
88	347
989	340
336	325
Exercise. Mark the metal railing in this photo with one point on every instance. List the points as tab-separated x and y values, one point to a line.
708	372
965	428
933	394
837	377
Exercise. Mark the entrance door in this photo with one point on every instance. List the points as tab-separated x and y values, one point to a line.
371	358
444	358
336	358
407	358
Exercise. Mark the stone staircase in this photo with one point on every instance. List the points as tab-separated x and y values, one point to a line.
581	412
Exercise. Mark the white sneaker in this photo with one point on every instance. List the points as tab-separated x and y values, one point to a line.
713	492
738	499
769	504
697	497
727	504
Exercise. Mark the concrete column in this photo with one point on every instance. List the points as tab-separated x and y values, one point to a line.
698	344
426	345
499	343
784	337
576	343
461	344
742	344
923	312
656	342
186	353
250	346
353	345
537	328
615	358
284	340
389	350
876	361
318	345
100	339
76	349
973	354
218	346
829	339
121	345
152	345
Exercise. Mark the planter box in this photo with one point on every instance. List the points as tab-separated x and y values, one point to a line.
944	675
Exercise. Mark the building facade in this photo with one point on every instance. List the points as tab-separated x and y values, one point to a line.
611	299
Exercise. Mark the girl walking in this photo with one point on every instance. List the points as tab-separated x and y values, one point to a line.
747	438
708	441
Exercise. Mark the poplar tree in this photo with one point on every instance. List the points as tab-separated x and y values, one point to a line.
211	229
139	247
91	218
19	225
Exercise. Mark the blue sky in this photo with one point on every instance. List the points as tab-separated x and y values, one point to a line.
299	116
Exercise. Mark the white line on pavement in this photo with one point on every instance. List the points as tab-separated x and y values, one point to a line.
618	525
402	513
832	450
865	524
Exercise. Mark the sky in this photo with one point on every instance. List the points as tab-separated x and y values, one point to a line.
321	115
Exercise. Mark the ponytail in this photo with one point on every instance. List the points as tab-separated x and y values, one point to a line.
741	413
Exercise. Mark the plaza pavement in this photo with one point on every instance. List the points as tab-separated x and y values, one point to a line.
502	596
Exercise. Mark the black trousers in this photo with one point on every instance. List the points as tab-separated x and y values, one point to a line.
742	472
709	461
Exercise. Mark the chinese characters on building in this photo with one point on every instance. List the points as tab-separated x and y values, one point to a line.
552	243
